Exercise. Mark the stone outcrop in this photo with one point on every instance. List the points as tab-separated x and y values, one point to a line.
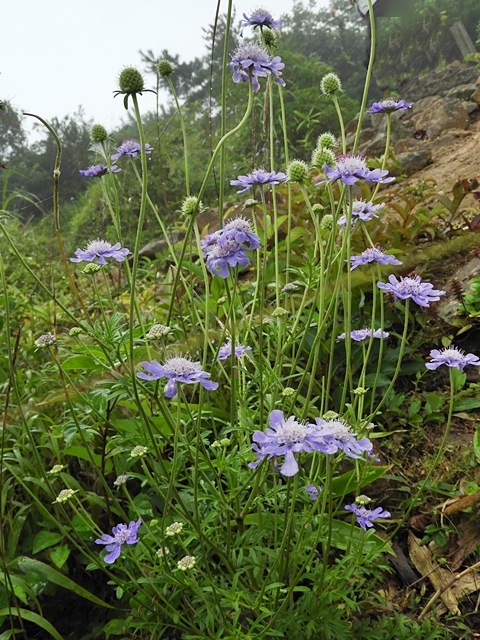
444	102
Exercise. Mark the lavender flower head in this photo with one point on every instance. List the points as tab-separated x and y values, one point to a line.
252	59
240	231
258	176
223	254
96	170
365	516
121	535
260	17
337	435
389	105
313	491
130	148
361	210
452	357
177	369
362	334
100	249
352	167
412	287
285	438
225	351
372	254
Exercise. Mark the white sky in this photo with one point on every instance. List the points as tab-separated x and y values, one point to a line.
56	55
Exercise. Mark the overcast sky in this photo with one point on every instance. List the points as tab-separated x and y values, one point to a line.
56	55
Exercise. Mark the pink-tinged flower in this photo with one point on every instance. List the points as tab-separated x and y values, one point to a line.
130	148
338	435
372	254
258	176
100	249
225	351
412	287
365	516
252	59
98	170
389	105
260	17
353	167
121	535
285	437
362	334
452	357
177	369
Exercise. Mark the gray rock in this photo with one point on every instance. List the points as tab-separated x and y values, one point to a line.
439	83
436	115
462	91
413	161
448	304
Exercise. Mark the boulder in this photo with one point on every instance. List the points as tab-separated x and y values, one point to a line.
413	161
436	115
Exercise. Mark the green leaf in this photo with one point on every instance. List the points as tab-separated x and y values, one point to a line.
349	482
466	404
81	362
476	444
55	577
45	539
344	535
382	380
60	555
25	614
81	452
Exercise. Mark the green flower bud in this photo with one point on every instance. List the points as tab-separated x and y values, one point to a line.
322	156
191	206
298	171
326	140
279	312
330	415
75	331
98	133
288	391
317	208
45	341
327	221
165	68
131	81
91	267
269	38
330	84
360	391
362	500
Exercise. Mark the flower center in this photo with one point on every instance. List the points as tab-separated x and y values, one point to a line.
454	354
98	246
223	250
181	367
291	432
252	51
351	164
240	224
122	536
340	431
389	104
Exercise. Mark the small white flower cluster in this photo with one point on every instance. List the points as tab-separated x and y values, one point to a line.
158	331
174	529
45	341
188	562
138	451
65	495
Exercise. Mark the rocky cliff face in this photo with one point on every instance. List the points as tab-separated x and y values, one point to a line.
446	103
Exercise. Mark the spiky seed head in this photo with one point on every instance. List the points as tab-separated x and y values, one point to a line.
327	221
318	208
165	68
191	206
326	140
131	81
322	156
298	171
269	37
330	84
98	133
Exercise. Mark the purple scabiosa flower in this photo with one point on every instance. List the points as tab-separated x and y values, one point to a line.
336	435
313	491
452	357
98	170
121	535
285	438
389	105
252	59
225	351
372	254
258	176
361	210
100	249
223	254
260	17
362	334
412	287
130	148
365	516
177	369
241	232
211	239
352	167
